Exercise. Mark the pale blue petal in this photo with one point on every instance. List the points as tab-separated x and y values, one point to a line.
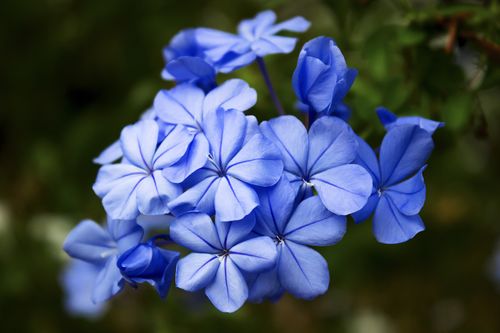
111	175
313	224
258	162
121	201
302	271
231	233
234	61
331	143
390	120
200	197
254	255
88	241
194	158
255	27
295	24
154	193
275	209
390	226
173	147
273	44
404	150
191	70
409	196
216	44
232	94
180	105
290	136
109	282
196	271
252	128
110	154
196	232
138	143
126	233
344	189
234	199
229	291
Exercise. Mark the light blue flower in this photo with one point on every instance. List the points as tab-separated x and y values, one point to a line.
185	105
241	158
136	185
398	185
322	78
78	281
300	270
390	120
321	159
149	263
101	247
256	37
222	253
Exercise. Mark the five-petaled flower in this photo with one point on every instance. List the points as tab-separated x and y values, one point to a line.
300	270
321	159
398	185
222	253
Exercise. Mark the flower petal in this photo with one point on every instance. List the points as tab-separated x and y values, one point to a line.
404	150
264	285
126	233
254	255
409	196
257	163
275	209
313	224
390	226
200	197
231	233
111	175
88	241
109	282
234	199
266	45
180	105
290	137
232	94
331	143
367	159
154	193
138	143
365	212
196	232
229	291
173	147
295	24
196	271
302	271
195	158
110	154
344	189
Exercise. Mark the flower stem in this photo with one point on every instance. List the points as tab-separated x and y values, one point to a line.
272	92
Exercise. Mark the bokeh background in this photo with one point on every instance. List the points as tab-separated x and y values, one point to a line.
73	73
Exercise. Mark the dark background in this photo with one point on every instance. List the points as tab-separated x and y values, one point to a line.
73	73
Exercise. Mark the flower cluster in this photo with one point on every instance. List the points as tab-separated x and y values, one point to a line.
249	200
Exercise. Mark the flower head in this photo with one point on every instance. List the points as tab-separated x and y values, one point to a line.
101	247
322	78
398	185
321	159
222	253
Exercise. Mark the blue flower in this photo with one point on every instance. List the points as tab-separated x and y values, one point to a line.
78	281
322	78
136	185
398	185
101	247
300	270
321	159
149	263
185	105
241	158
222	253
390	120
256	38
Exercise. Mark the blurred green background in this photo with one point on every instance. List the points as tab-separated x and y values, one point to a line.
73	73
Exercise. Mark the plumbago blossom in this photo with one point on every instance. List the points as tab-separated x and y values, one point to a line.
248	201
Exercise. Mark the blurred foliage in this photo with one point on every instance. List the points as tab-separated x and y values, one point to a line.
75	72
